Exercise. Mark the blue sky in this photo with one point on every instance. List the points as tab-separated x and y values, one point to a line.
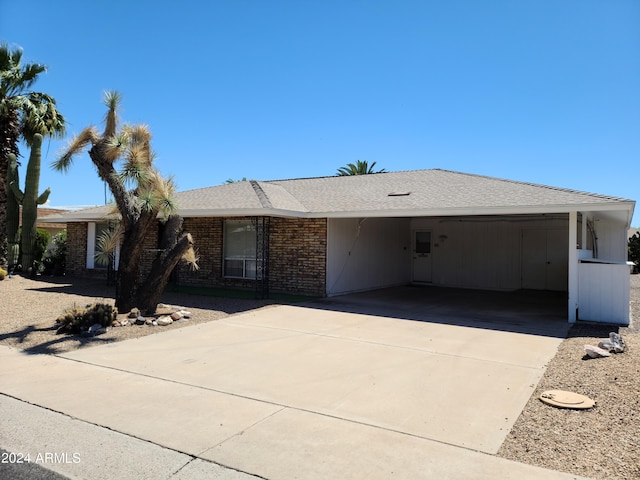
539	91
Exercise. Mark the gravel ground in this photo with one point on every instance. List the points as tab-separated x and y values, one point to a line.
601	443
29	311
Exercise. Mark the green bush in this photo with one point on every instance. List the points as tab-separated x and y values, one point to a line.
42	240
79	319
55	256
634	248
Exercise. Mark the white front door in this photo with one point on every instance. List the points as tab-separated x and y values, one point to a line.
421	256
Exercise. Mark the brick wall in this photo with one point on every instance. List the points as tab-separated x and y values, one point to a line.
76	249
297	250
297	253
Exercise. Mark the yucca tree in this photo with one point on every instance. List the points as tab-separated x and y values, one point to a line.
141	196
361	167
23	113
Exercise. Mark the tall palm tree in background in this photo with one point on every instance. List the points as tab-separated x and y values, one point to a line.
361	167
23	113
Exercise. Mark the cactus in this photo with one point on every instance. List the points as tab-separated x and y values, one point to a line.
30	201
13	214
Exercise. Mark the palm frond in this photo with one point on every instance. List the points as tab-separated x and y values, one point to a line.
191	257
112	100
78	143
148	199
107	243
115	146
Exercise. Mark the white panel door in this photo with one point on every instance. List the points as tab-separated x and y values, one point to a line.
421	256
545	259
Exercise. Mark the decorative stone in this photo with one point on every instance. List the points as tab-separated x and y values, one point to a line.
134	313
164	320
149	321
185	313
96	329
154	323
140	320
595	352
115	323
176	316
124	322
617	342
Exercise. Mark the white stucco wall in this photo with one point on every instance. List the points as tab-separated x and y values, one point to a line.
481	253
364	254
612	239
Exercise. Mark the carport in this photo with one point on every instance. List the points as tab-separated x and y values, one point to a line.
545	252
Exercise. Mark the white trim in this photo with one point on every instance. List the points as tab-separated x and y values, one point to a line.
91	245
573	266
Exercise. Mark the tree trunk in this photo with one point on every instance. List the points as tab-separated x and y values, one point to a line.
174	245
128	274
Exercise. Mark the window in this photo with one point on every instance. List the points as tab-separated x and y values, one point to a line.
239	249
94	230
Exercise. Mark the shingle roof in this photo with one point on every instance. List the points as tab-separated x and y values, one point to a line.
409	193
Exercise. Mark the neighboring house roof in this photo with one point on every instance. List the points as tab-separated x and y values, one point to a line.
432	192
45	212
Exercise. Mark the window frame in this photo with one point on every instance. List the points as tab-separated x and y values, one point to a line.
249	272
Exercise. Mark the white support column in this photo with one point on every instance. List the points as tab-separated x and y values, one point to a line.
583	243
573	266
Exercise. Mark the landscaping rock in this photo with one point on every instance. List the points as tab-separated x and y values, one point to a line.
96	329
140	321
596	352
176	316
134	313
164	320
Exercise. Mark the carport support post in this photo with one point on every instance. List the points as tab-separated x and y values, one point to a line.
573	266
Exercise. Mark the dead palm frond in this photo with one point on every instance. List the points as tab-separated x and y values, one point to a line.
89	136
191	256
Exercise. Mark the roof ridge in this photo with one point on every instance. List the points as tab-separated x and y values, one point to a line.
262	196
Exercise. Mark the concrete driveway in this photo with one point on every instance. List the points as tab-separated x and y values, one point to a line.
315	391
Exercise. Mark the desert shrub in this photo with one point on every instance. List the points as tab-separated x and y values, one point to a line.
3	274
79	319
40	246
55	256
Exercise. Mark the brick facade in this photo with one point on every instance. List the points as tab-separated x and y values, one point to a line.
297	255
76	249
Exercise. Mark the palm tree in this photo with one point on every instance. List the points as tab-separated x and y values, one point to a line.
22	113
231	180
149	197
361	167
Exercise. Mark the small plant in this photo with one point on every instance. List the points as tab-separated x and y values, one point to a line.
54	260
79	319
3	274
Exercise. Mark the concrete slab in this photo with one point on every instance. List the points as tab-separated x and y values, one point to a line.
78	449
298	392
302	445
457	385
181	417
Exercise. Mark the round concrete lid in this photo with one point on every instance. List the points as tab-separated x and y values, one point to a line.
564	399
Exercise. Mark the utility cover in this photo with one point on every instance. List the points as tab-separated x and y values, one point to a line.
564	399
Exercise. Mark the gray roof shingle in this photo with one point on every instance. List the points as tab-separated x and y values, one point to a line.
417	192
